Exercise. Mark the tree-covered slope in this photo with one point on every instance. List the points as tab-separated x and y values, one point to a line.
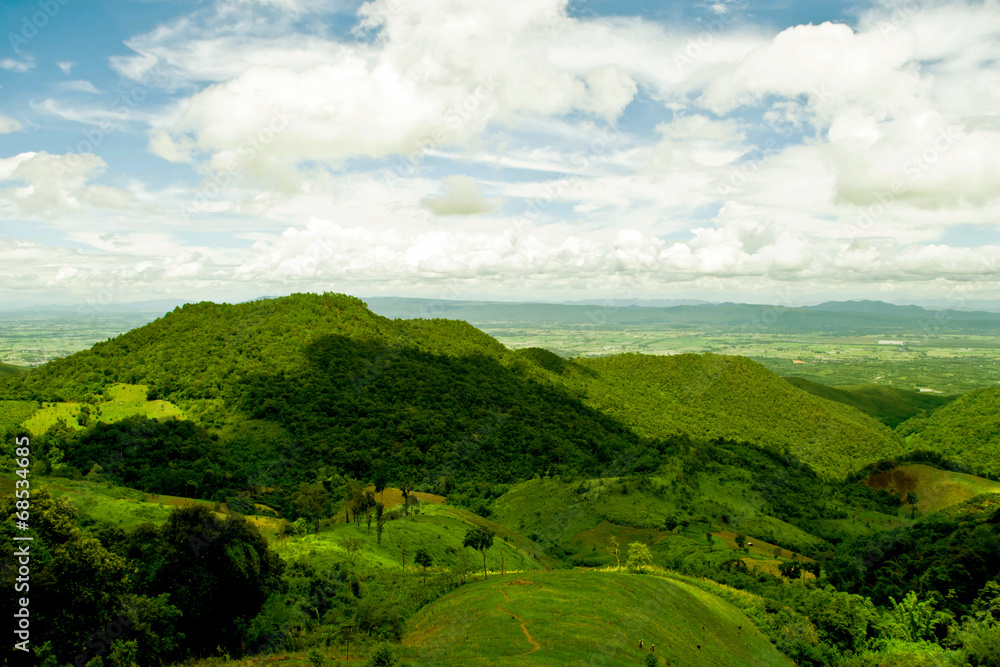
890	405
966	432
716	396
310	385
335	389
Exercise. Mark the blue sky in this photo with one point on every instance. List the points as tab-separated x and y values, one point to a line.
780	152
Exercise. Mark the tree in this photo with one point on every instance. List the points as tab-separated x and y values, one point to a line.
352	545
615	549
710	540
382	656
424	560
639	556
404	550
366	507
380	519
311	499
406	487
381	480
911	500
741	542
790	569
479	538
352	492
219	572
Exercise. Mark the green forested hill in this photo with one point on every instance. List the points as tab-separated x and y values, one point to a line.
966	432
717	396
890	405
335	386
313	385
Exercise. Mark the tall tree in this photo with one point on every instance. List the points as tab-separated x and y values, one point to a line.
424	560
615	549
911	500
406	487
311	499
479	538
380	519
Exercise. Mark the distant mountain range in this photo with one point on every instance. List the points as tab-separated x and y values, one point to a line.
870	317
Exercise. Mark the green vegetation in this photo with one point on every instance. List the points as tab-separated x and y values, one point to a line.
715	396
353	482
966	431
936	489
116	403
568	618
7	369
890	405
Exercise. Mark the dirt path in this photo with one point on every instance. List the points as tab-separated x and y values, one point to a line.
524	624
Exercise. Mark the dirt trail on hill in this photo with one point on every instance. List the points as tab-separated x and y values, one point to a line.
524	624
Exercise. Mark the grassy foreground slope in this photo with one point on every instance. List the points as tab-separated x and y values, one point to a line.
576	618
966	431
717	396
890	405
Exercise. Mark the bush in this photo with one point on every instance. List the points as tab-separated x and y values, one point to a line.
382	656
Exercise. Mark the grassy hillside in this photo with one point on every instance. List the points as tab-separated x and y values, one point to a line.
116	403
569	618
935	488
966	431
890	405
715	396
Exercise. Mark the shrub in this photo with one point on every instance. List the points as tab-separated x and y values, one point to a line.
382	656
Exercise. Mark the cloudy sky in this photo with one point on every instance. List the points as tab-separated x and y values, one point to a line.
779	151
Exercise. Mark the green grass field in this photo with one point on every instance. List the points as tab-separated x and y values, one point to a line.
120	401
584	618
438	529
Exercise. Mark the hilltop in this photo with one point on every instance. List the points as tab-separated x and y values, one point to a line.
564	618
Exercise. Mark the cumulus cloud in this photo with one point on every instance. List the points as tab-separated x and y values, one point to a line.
824	154
42	184
462	196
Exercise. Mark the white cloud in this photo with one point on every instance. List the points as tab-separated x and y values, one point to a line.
8	125
41	184
462	196
19	66
66	67
79	86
